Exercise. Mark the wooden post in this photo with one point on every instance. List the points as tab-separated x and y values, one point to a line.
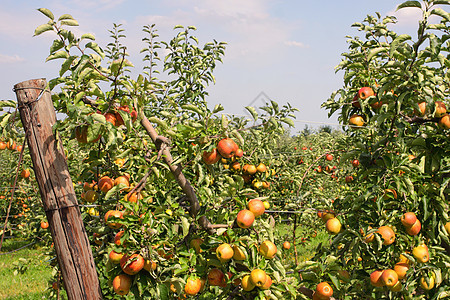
71	243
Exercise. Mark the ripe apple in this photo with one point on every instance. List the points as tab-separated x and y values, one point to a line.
440	109
324	290
447	227
256	206
286	245
245	218
117	238
401	269
415	229
149	265
122	179
267	205
329	157
268	249
115	257
258	277
216	277
355	102
408	219
211	157
224	252
325	216
421	253
122	284
348	178
261	168
44	225
355	163
25	173
389	277
375	278
430	284
268	283
2	145
131	265
239	153
193	286
105	184
365	92
249	169
227	147
238	254
133	197
444	121
333	226
356	121
113	213
387	234
422	109
247	284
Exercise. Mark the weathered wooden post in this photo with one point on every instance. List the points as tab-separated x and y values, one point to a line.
58	196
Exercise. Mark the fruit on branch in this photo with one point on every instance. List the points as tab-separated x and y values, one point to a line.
91	196
113	213
444	121
227	147
115	257
365	92
268	283
44	225
431	281
150	265
133	197
414	229
111	118
401	268
238	254
193	286
389	277
408	219
117	238
348	178
2	145
239	153
421	253
247	284
447	227
245	218
249	169
329	157
216	277
333	226
11	145
122	179
131	265
286	245
375	278
224	252
25	173
355	102
211	157
268	249
122	284
256	206
422	109
261	168
387	234
356	121
105	184
440	109
258	277
324	290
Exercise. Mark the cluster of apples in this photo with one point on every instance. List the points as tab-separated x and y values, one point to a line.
440	112
411	223
10	145
357	120
228	152
246	217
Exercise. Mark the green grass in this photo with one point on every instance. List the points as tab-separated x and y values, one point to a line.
33	281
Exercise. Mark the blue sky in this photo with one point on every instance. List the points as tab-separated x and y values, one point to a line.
285	49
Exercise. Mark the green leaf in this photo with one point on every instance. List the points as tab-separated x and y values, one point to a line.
374	52
57	44
288	121
158	121
444	2
94	46
409	4
88	36
69	22
47	13
163	291
93	132
398	40
59	54
66	65
252	111
193	108
224	122
217	108
42	28
442	13
65	17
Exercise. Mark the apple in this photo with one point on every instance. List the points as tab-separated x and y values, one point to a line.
249	169
444	121
389	277
256	206
258	277
25	173
447	227
224	252
211	157
333	226
408	219
195	243
387	234
329	157
365	92
115	257
401	268
44	225
268	283
348	178
415	229
247	284
440	110
131	265
355	102
375	278
193	286
355	163
428	285
268	249
227	147
113	213
238	253
323	290
149	265
356	121
245	218
122	284
239	153
421	253
91	196
286	245
261	168
267	206
216	277
422	108
105	184
122	179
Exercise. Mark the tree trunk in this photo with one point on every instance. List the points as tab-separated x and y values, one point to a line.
71	243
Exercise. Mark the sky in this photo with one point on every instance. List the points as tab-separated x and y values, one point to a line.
283	50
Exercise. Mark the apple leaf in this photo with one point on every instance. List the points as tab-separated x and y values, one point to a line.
59	54
42	28
375	51
47	13
409	4
252	111
398	40
442	13
65	17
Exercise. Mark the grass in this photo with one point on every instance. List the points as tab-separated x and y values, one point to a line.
32	281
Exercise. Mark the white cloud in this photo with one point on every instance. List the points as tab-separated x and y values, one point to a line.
296	44
7	59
